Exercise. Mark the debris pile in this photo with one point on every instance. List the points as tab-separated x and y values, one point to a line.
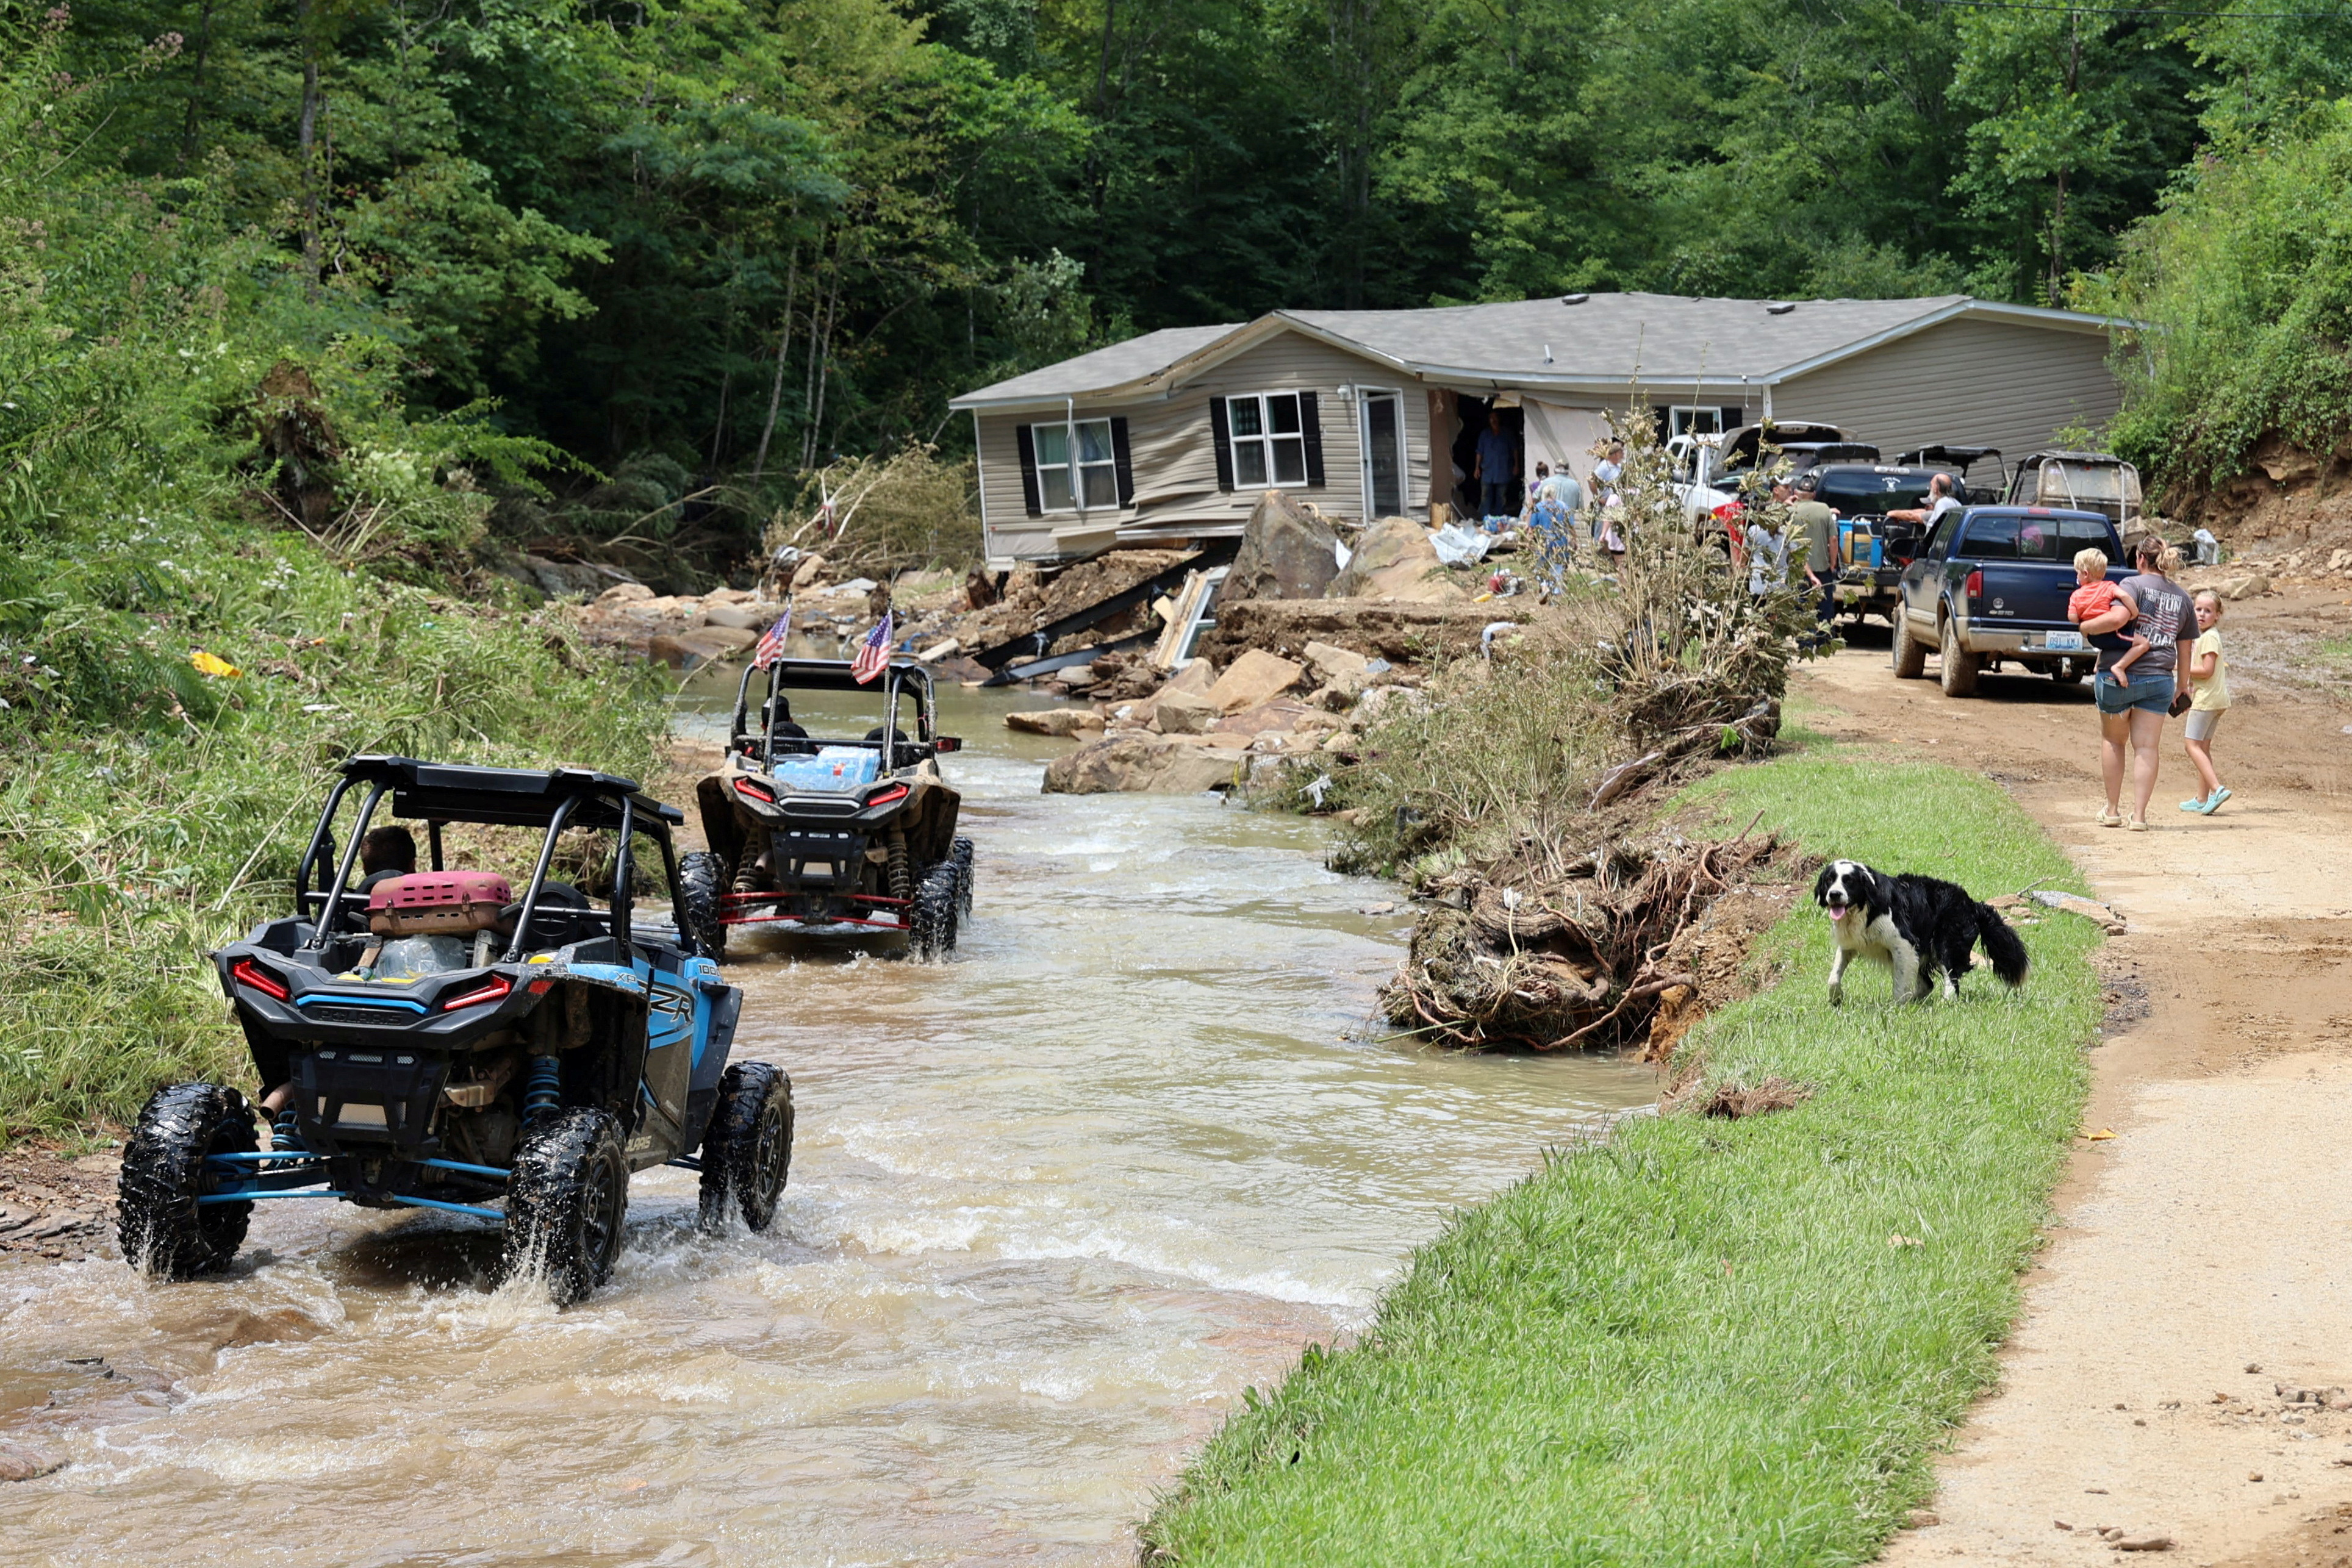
1581	957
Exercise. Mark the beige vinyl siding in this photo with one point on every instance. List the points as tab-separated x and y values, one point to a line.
1172	449
1965	383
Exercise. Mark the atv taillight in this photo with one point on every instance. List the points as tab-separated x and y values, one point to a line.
1976	585
496	990
947	743
757	791
245	972
889	795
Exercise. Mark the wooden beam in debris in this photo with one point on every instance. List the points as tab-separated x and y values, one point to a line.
1034	643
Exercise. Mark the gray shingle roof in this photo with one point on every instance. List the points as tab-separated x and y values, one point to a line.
1664	337
1114	366
1603	339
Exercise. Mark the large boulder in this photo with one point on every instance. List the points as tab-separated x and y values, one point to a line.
1394	559
1196	678
703	644
752	615
1278	714
1257	676
1139	762
1184	712
1286	552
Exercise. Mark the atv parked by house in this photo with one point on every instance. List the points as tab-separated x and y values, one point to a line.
841	835
430	1040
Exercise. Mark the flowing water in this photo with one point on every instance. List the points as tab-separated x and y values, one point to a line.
1053	1205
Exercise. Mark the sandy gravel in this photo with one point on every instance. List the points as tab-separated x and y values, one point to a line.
2200	1275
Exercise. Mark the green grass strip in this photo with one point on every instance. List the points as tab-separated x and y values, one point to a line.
1699	1343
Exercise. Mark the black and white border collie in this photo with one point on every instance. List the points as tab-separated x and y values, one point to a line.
1914	924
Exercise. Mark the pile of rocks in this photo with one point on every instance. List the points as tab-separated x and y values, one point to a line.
687	630
1208	729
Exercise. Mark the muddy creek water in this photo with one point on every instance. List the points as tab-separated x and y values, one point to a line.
1053	1205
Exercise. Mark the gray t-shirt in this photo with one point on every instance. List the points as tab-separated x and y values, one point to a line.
2167	618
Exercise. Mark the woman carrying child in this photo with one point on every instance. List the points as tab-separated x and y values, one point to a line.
2211	672
2132	711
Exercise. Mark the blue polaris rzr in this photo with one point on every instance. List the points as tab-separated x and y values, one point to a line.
427	1039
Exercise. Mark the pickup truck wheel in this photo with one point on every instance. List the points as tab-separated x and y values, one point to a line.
1910	657
1959	669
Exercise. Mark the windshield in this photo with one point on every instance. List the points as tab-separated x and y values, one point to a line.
2065	483
2015	538
1861	493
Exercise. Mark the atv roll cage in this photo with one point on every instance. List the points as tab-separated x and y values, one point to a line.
909	682
440	793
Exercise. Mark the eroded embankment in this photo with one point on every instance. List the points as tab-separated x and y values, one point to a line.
1711	1339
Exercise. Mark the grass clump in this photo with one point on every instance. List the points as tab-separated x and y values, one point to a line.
1709	1341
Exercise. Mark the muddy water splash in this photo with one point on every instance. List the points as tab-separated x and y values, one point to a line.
1055	1204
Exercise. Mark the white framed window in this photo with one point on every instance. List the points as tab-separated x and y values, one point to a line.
1269	438
1094	475
1686	419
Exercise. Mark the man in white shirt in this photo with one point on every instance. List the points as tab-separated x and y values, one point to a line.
1939	501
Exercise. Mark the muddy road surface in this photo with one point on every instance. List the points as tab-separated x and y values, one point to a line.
1055	1204
2196	1284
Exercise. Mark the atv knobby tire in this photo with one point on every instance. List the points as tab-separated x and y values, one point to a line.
164	1231
934	914
747	1152
962	854
567	1201
702	878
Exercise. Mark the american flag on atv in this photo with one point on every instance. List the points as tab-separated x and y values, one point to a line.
874	652
771	644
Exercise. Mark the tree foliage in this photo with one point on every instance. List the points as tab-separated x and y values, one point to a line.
755	236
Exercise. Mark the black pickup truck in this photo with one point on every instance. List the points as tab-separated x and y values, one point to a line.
1992	584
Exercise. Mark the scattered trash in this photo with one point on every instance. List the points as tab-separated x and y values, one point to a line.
1899	1240
1459	546
1318	789
2102	1135
213	664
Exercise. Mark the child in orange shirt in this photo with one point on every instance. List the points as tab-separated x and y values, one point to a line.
2092	597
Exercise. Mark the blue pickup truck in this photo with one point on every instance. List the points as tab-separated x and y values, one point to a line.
1992	584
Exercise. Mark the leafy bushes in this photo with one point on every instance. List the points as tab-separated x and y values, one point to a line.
2245	281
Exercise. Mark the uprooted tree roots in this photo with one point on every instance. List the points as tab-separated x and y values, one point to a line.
1580	959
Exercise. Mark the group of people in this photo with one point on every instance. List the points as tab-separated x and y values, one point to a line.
2138	627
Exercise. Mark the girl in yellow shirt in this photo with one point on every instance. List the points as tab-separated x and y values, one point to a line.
2210	674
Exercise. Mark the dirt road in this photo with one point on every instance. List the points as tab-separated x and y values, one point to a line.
2200	1276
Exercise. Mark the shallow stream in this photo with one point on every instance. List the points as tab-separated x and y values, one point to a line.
1053	1204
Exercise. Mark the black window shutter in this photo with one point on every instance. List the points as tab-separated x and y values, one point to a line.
1126	463
1665	419
1028	471
1311	424
1733	417
1225	440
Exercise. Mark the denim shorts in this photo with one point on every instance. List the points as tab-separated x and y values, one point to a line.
2151	690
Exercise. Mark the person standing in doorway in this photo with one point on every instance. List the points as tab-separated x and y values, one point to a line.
2133	716
1495	467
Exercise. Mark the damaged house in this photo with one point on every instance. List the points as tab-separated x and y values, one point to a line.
1171	436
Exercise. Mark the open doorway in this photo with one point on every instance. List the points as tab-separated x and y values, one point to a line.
1473	498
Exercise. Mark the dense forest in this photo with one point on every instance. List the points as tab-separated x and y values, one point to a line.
703	246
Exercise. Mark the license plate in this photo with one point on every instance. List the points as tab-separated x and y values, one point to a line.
2071	642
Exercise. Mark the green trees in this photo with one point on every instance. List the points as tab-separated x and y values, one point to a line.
751	234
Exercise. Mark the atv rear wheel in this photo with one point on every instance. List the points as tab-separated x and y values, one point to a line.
962	852
164	1232
567	1202
702	878
747	1152
934	913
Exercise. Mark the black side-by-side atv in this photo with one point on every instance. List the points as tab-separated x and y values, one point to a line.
854	836
430	1040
